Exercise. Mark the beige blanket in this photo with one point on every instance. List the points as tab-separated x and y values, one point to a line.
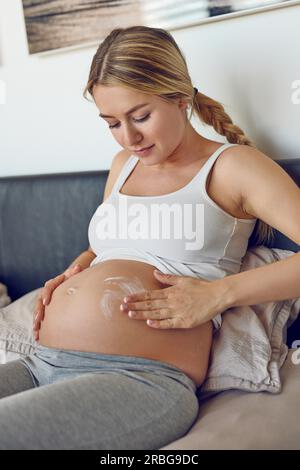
249	349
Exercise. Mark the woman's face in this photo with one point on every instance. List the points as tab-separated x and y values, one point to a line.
157	122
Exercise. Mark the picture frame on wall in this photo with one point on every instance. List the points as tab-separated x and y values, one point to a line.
53	25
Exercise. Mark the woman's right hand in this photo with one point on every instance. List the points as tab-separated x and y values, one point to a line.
45	295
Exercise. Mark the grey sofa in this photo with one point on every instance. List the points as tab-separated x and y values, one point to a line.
43	227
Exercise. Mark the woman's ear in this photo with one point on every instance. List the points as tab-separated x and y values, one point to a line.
183	107
183	104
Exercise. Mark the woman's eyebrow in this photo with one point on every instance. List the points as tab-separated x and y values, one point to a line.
128	112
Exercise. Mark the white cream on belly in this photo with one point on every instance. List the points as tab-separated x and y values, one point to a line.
117	288
71	290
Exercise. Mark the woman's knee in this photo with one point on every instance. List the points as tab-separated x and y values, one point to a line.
14	378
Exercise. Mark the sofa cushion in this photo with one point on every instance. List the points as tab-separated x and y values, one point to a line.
238	420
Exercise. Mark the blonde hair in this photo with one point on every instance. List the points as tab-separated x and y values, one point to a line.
149	60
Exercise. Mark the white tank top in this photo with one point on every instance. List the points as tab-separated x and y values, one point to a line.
184	232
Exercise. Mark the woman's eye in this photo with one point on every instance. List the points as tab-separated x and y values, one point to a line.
135	120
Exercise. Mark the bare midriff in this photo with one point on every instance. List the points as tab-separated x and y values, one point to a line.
84	315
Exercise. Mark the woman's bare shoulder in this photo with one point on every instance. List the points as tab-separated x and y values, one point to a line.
118	162
240	168
227	178
120	158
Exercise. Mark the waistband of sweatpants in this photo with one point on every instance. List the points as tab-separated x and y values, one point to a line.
73	358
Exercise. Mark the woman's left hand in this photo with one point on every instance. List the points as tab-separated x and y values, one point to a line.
188	303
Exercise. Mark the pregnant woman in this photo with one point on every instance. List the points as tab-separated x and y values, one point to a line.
175	201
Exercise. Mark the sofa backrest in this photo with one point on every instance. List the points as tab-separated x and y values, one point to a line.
43	225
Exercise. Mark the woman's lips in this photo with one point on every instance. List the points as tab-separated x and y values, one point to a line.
145	152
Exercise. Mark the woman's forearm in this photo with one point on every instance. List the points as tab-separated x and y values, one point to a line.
273	282
84	259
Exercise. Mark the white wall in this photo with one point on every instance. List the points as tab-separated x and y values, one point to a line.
248	63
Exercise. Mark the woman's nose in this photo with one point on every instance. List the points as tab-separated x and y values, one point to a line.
131	137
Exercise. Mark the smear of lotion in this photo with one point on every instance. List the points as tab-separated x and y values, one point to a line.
71	290
117	288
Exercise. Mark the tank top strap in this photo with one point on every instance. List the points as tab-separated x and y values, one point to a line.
203	173
125	172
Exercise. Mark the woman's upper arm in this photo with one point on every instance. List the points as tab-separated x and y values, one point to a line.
269	193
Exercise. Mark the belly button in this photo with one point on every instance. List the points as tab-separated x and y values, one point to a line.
71	290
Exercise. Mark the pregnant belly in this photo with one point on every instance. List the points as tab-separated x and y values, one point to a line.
84	315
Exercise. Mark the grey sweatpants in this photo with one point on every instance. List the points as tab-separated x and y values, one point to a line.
62	399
